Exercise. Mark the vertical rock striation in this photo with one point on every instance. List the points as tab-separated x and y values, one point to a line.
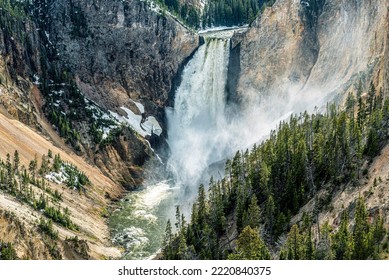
121	50
323	46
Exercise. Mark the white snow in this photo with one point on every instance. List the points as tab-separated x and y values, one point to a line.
107	130
61	176
150	125
57	177
140	106
48	37
153	6
306	3
36	80
58	92
131	119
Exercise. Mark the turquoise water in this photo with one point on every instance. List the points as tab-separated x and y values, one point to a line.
138	225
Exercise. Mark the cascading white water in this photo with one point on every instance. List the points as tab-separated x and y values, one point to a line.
195	132
199	111
202	130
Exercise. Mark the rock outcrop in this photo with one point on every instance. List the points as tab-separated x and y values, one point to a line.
320	46
19	61
118	52
121	50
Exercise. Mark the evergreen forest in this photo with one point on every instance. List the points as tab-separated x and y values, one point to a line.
216	12
247	214
232	12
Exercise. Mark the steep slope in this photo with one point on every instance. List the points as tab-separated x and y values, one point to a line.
317	47
87	210
298	55
19	61
119	60
121	50
89	66
88	76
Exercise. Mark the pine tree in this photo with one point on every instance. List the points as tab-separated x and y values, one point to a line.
361	232
33	166
178	223
269	216
44	165
254	213
342	242
182	248
57	162
377	234
7	251
294	248
8	166
201	207
16	162
250	246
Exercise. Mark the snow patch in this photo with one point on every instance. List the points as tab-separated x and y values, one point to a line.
36	80
148	127
139	106
57	177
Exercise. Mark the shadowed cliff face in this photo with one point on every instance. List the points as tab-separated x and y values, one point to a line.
118	51
313	47
122	50
19	60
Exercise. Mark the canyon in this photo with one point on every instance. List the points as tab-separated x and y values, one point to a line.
129	70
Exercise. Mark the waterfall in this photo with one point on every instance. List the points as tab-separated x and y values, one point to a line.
198	119
202	130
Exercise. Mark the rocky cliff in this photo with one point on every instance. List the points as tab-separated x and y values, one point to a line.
317	46
59	56
67	68
121	50
19	60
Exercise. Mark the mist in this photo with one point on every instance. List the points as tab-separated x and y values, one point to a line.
204	131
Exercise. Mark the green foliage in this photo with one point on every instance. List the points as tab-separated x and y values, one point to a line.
216	12
342	241
66	172
250	246
60	217
282	174
18	183
361	234
363	242
299	244
15	8
12	19
232	12
7	251
186	13
75	178
253	214
47	228
63	110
